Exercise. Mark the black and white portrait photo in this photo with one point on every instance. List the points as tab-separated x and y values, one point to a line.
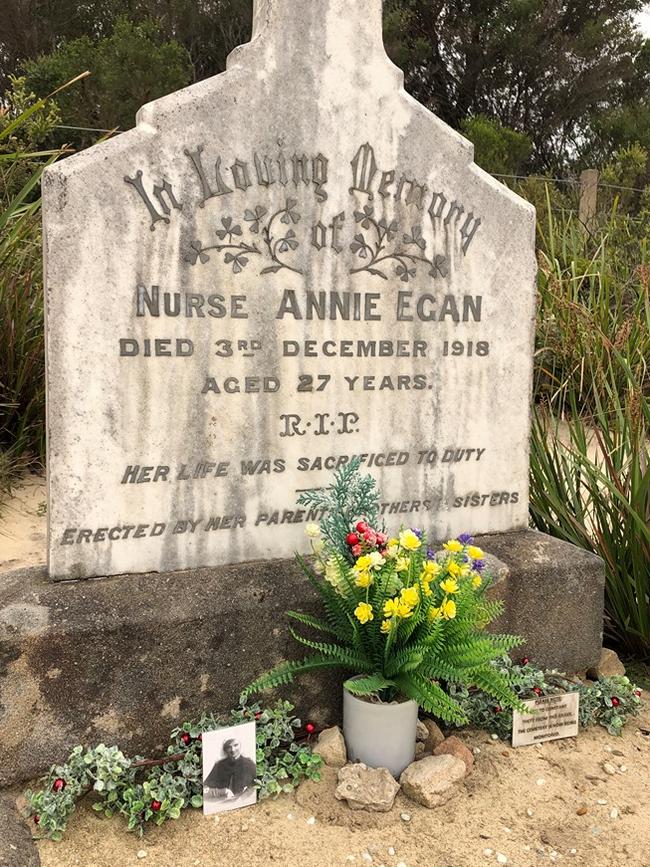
229	768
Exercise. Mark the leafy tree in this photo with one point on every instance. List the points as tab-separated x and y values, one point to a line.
129	67
541	67
497	149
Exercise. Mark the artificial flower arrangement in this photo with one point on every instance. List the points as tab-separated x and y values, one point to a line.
406	620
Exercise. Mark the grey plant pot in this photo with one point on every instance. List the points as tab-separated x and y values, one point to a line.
380	735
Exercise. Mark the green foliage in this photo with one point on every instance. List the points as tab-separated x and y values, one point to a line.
590	459
497	149
350	498
145	791
402	619
528	682
131	66
25	122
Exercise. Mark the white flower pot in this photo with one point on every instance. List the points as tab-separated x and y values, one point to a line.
380	735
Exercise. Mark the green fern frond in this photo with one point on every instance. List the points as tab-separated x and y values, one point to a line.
367	685
431	698
285	672
314	622
345	657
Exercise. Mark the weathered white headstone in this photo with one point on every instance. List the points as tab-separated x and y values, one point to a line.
279	268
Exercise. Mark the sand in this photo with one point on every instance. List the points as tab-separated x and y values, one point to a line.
547	804
23	523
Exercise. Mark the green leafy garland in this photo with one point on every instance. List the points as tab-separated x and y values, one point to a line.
154	790
609	701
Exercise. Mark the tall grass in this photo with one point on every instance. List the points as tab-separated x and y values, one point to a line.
590	477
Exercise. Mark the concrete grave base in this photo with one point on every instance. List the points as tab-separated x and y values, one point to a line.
123	660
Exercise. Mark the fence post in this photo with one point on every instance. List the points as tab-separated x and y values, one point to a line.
588	198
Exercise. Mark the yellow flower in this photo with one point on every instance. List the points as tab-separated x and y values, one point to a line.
449	586
391	607
386	626
475	553
410	596
363	579
402	564
453	545
404	610
409	540
476	580
392	549
453	568
426	589
376	560
434	613
432	569
448	609
362	563
312	530
363	612
464	571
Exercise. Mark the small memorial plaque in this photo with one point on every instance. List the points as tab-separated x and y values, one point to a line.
551	718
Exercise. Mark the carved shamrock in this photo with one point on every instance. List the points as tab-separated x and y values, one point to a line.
288	242
254	218
404	273
365	217
196	253
390	230
239	262
415	238
228	229
359	246
289	214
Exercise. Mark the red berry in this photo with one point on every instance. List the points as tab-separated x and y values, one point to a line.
525	661
352	539
155	806
356	550
310	728
258	714
186	738
498	709
37	819
382	538
370	537
615	701
59	785
537	690
362	527
637	693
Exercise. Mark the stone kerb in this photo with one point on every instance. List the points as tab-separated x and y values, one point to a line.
279	268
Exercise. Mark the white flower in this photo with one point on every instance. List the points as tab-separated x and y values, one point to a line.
376	560
312	530
317	546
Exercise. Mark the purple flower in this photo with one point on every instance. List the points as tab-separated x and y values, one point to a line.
465	539
431	554
418	533
479	565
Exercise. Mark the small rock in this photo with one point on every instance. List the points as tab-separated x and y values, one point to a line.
573	851
495	737
501	858
434	735
623	769
601	801
608	749
311	820
477	751
453	746
609	768
608	665
400	864
289	815
405	817
530	812
141	854
431	781
613	813
420	750
364	788
582	811
488	853
508	830
618	753
331	747
367	857
391	851
541	782
421	732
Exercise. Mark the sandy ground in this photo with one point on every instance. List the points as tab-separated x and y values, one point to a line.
538	805
23	523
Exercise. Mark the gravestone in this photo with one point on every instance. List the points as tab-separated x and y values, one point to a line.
277	269
280	268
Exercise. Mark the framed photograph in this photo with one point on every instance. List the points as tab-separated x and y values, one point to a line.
229	768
